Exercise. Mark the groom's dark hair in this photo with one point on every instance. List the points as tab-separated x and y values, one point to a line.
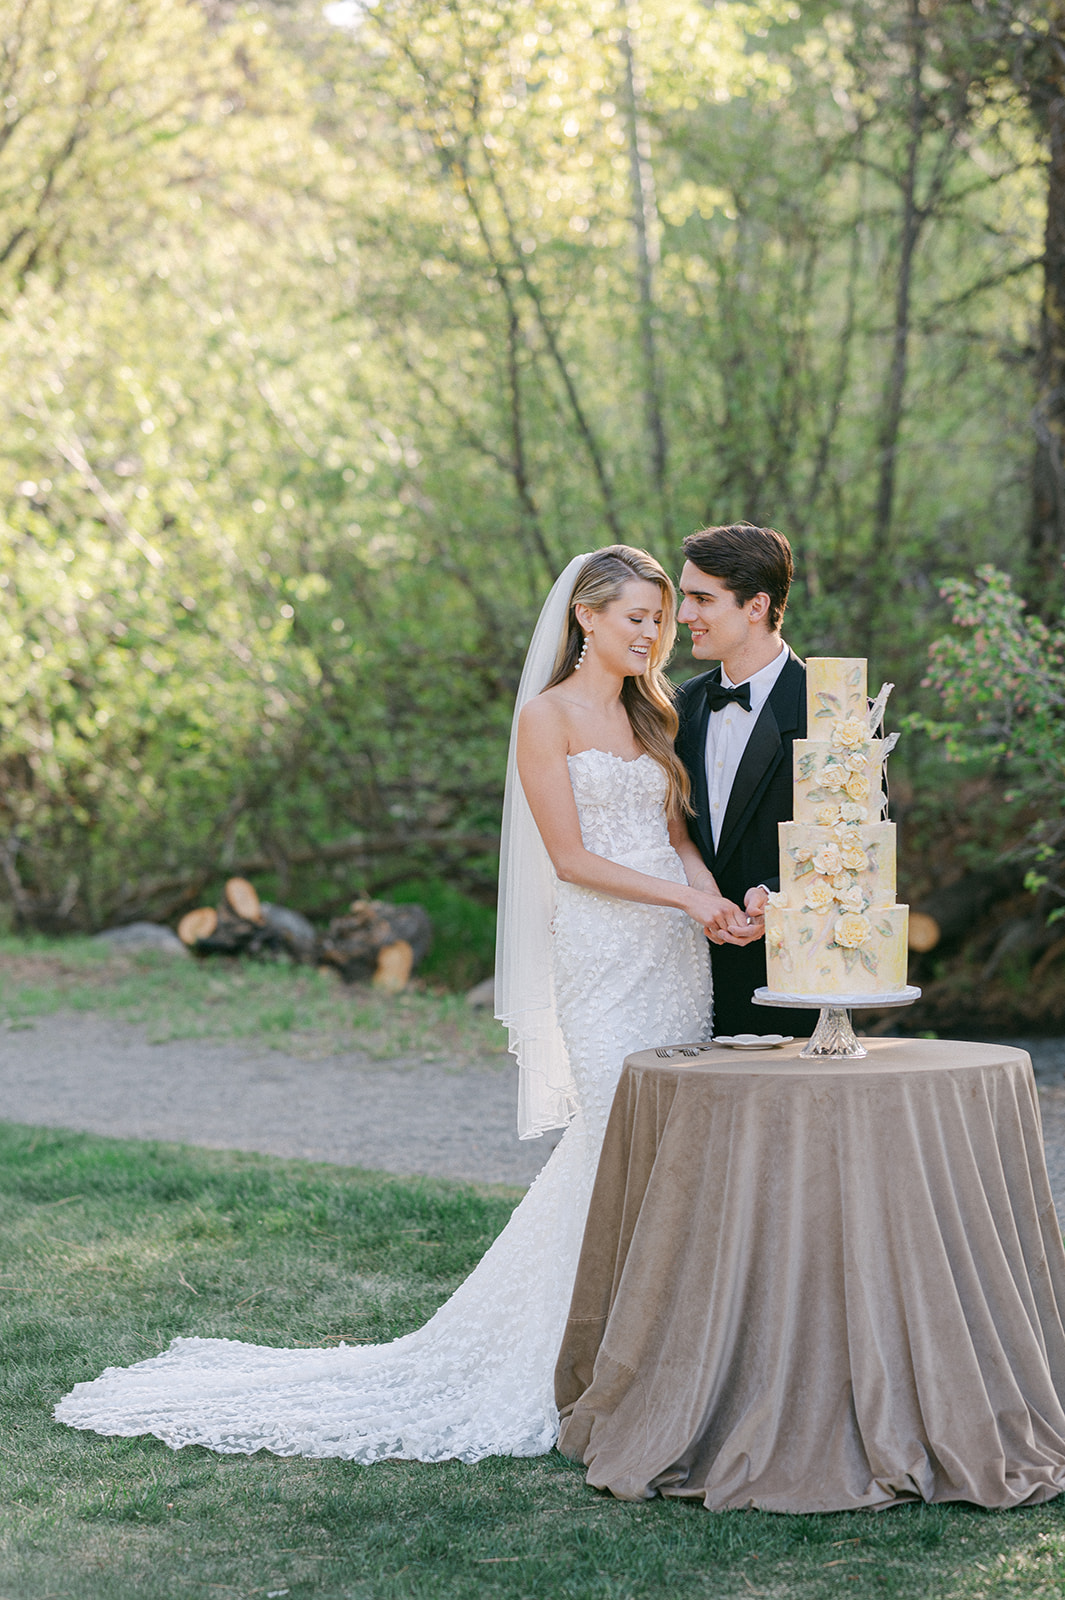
748	560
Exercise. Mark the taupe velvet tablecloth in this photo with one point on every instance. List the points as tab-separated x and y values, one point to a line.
813	1286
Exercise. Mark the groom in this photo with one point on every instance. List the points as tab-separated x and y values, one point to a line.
737	726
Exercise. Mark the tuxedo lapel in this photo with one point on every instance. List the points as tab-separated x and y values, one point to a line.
780	715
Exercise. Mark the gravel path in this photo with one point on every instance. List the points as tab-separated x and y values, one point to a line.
98	1075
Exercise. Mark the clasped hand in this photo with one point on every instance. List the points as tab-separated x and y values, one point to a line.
725	923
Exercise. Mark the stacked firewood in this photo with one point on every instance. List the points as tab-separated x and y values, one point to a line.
374	940
378	940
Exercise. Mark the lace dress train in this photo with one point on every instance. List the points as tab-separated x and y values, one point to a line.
477	1378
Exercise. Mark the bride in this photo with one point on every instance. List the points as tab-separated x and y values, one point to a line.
603	900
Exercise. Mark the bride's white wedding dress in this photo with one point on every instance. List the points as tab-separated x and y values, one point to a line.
477	1379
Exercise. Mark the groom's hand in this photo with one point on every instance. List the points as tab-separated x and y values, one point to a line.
751	924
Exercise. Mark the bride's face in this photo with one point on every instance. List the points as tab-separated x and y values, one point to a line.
625	632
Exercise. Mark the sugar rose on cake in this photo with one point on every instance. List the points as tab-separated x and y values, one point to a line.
849	733
852	930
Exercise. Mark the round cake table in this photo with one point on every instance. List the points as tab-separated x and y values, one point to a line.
814	1287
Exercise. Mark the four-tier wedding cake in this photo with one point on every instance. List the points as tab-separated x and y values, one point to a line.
834	927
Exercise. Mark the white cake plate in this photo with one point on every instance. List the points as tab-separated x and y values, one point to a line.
834	1034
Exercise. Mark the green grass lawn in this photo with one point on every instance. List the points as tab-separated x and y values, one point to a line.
297	1009
109	1248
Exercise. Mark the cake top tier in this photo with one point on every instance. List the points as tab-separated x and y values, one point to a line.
836	691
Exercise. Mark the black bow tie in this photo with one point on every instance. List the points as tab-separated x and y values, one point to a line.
718	697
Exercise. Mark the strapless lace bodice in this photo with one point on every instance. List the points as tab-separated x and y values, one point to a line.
620	805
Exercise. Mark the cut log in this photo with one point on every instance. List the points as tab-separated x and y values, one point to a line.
394	964
243	926
925	932
242	899
232	933
353	942
169	893
292	930
197	925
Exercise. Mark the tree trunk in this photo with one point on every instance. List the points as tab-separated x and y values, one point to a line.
1046	527
354	943
912	219
645	225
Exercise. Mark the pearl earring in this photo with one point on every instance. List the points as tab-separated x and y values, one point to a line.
584	652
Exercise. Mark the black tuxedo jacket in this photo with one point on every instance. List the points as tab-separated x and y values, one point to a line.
748	850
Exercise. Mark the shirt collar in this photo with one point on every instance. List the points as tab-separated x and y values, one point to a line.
764	679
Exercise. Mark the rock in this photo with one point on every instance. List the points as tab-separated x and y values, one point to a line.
482	994
143	936
292	929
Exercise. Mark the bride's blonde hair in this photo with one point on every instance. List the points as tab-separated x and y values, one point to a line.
648	698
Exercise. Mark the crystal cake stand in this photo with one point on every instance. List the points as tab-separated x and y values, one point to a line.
834	1034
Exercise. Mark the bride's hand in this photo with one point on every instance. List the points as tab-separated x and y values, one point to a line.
716	914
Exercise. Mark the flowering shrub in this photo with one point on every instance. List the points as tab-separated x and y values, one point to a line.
1003	677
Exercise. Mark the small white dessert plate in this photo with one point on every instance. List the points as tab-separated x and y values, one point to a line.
753	1041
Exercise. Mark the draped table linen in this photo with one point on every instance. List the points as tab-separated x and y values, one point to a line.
815	1286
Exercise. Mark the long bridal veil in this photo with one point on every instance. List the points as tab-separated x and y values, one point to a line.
525	989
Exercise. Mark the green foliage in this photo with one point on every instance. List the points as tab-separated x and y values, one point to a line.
1003	676
326	348
1006	673
110	1248
464	933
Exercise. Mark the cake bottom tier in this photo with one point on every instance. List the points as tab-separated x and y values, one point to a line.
827	952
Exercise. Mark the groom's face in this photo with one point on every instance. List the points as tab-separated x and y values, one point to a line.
719	624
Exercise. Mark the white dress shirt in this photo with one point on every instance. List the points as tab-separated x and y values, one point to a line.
727	734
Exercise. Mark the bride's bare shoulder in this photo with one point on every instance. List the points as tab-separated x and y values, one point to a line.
545	717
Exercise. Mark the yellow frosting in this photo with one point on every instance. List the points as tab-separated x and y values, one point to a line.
835	689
